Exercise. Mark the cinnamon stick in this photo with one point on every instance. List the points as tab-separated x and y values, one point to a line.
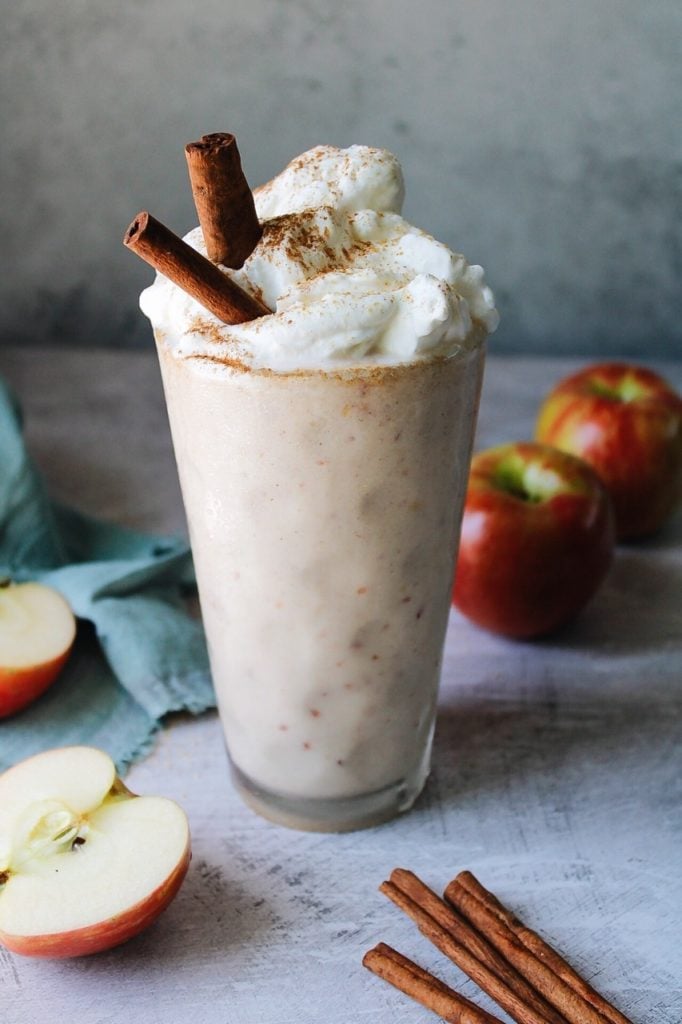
423	987
224	201
532	1011
178	261
460	930
541	965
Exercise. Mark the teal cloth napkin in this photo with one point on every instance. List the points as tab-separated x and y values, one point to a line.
138	654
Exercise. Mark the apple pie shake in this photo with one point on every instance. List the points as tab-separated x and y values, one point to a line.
323	453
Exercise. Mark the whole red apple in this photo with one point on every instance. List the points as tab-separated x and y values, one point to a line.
537	539
626	421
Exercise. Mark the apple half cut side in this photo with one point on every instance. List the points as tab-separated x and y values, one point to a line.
84	863
37	632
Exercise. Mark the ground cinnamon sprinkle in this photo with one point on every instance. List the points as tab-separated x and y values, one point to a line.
207	329
364	376
298	240
232	363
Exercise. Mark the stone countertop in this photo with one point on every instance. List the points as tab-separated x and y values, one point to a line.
555	776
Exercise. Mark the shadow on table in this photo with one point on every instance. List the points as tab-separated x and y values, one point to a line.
210	918
500	757
637	610
576	709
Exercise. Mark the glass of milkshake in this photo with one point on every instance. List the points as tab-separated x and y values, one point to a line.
323	452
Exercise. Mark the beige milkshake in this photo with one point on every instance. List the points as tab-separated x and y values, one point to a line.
323	454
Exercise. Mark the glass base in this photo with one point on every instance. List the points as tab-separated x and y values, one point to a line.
333	814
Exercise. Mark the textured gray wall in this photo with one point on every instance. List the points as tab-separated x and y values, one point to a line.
542	139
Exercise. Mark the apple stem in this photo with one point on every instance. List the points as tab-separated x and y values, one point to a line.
119	791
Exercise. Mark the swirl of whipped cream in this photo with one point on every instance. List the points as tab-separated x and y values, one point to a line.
348	279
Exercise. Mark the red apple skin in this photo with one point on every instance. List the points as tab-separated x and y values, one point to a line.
19	687
626	421
528	563
104	935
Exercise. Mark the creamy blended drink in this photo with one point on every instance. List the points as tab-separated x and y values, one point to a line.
323	453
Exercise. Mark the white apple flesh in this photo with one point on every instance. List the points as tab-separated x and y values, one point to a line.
37	631
84	863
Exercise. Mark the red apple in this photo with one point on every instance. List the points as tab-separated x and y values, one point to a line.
37	631
537	539
84	863
626	421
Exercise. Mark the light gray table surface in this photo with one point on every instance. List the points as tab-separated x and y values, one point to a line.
556	774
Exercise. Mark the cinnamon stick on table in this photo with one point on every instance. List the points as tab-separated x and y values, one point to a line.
425	988
178	261
455	939
224	201
535	959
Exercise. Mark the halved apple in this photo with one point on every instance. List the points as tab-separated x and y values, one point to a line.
84	863
37	631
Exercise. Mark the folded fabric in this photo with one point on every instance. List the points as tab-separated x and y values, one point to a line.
138	654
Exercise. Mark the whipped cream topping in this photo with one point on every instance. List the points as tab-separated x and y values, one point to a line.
348	279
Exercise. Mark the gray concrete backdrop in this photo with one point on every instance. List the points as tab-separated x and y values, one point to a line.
542	139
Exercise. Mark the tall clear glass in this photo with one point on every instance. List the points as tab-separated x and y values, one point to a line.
324	510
